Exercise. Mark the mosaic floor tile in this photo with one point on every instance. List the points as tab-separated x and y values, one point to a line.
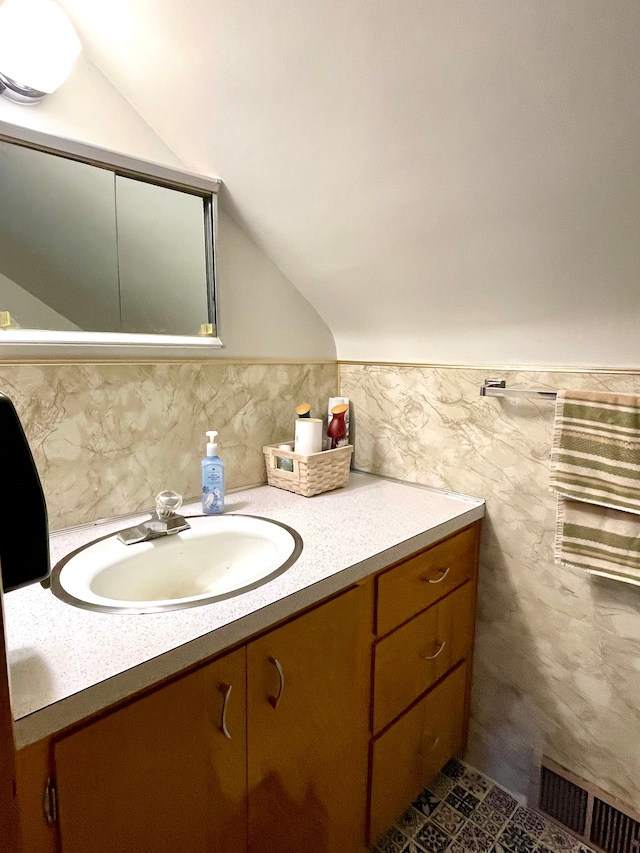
426	803
489	819
558	840
476	783
464	812
448	818
442	785
410	822
531	821
501	801
412	847
462	800
456	847
433	839
474	839
486	814
454	769
514	838
393	842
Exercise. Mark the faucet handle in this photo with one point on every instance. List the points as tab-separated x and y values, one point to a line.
167	504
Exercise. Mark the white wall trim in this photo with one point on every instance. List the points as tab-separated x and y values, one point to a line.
104	157
88	346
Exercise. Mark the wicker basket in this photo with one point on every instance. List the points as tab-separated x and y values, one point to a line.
311	475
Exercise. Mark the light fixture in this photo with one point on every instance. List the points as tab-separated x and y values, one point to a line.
38	46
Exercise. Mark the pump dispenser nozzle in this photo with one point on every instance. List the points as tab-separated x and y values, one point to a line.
212	446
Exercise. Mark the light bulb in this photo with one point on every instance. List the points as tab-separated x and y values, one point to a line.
38	44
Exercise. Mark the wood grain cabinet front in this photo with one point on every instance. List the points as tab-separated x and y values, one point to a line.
406	757
422	580
425	619
308	711
163	774
413	657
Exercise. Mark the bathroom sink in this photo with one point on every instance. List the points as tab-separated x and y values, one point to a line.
217	558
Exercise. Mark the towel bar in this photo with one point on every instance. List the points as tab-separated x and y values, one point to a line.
497	388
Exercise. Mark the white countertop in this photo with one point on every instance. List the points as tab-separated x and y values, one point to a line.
66	663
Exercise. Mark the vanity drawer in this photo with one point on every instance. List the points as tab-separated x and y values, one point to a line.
412	586
413	657
409	754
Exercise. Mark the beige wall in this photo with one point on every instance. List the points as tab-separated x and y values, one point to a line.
107	438
89	108
557	665
446	181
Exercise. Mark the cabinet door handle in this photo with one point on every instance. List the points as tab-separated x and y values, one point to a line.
275	700
50	802
436	741
444	573
225	689
422	752
434	656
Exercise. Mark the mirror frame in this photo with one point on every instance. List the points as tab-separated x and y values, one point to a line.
36	344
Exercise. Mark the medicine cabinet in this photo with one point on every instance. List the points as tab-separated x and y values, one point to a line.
100	250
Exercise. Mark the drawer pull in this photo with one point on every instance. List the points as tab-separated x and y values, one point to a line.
445	572
225	689
434	656
275	700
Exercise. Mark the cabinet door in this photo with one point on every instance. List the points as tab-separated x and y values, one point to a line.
408	755
159	775
308	709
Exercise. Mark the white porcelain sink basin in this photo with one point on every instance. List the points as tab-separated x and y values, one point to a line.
218	557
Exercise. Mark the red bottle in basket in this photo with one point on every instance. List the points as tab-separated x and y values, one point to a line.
337	429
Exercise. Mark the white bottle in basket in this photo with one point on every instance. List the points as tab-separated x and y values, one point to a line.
283	462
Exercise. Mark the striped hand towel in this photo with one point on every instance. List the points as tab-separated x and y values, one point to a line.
595	469
599	540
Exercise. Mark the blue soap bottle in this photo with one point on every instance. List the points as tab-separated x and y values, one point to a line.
212	478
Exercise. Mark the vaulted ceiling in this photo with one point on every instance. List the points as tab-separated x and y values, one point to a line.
444	180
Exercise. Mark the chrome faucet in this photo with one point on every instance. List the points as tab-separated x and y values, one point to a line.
163	522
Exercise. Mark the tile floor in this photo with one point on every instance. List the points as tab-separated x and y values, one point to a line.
464	812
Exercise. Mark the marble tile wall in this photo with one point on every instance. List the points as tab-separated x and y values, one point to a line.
557	665
106	438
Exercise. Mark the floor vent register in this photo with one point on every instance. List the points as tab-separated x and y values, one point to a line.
587	811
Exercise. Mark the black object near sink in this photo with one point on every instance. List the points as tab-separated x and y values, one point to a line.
24	529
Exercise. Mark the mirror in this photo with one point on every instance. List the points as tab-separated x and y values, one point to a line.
92	246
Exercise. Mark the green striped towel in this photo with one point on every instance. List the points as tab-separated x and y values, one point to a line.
595	469
599	540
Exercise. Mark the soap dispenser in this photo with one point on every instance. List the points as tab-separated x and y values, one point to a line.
212	478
